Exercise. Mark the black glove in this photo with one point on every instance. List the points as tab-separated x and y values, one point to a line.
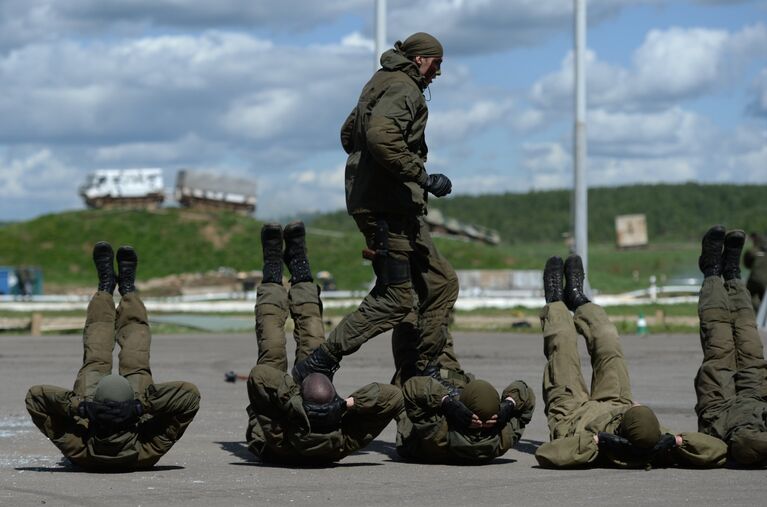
507	411
665	444
324	417
118	413
615	444
438	184
457	414
91	410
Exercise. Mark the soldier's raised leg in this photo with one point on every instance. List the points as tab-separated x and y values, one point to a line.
751	377
715	380
564	389
304	296
99	330
132	325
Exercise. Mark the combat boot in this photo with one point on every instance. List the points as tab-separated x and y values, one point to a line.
295	253
271	243
733	246
573	294
710	260
319	361
103	258
552	279
127	263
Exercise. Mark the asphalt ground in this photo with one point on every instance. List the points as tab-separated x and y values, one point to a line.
211	466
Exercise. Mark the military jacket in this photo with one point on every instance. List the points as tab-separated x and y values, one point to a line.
384	137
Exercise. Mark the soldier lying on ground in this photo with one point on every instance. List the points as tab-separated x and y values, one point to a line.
605	427
306	423
732	381
108	421
461	419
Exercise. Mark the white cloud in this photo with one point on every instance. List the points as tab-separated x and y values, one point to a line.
302	191
548	164
648	135
38	173
669	66
466	27
447	125
745	156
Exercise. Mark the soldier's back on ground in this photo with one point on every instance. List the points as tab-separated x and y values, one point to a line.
107	421
284	425
603	427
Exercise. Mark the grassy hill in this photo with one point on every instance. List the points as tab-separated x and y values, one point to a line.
676	213
175	240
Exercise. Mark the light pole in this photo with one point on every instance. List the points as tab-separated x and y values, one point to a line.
380	32
580	187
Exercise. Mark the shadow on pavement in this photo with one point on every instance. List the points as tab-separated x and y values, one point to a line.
69	467
381	447
527	446
240	450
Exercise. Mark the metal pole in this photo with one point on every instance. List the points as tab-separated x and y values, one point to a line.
380	33
580	194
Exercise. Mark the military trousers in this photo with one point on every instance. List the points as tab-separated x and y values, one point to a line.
273	305
731	384
417	309
566	397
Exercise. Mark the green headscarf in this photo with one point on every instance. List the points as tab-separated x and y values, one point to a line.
420	44
481	398
640	426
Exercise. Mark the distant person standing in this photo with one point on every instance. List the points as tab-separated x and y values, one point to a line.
386	194
756	261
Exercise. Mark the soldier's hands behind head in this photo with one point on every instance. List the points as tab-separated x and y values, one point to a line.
110	413
458	415
325	416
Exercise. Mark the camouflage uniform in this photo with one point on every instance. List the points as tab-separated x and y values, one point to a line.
168	407
425	436
278	428
575	416
385	175
731	383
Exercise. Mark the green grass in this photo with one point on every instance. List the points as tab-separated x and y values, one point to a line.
171	241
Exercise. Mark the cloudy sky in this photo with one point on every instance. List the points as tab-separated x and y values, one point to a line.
677	92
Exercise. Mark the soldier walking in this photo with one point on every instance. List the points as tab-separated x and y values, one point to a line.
386	194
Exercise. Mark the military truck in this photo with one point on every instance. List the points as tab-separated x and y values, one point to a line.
124	188
212	191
